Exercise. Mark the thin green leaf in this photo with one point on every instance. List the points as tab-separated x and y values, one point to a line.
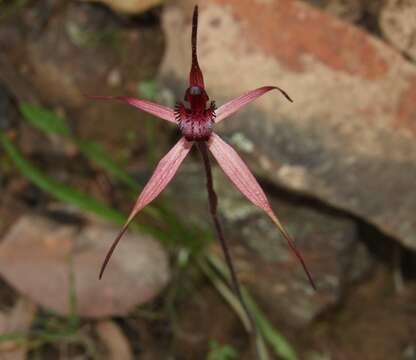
147	89
73	317
221	352
65	193
219	280
224	290
49	122
280	345
44	120
100	156
17	337
9	8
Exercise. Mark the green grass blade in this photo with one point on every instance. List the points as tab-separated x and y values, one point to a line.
100	156
17	337
226	293
280	345
147	89
65	193
73	317
44	120
58	190
221	352
51	123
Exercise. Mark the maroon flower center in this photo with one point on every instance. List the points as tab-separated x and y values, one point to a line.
195	119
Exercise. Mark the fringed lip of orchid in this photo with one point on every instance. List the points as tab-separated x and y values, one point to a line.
195	119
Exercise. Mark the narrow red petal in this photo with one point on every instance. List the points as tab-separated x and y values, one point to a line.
238	172
161	177
162	112
195	77
236	104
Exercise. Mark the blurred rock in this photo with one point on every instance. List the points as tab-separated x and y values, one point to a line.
349	137
263	260
115	341
38	255
82	49
398	24
349	10
361	12
131	7
72	54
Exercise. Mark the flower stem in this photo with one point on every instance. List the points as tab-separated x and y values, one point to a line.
213	201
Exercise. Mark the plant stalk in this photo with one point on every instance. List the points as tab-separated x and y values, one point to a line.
213	201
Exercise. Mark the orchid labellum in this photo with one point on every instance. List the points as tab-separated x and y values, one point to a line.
196	119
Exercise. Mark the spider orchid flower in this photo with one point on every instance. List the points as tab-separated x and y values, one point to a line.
196	119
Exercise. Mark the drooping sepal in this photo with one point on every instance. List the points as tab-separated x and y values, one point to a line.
241	176
163	174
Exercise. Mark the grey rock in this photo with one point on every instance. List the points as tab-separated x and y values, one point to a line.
397	22
349	137
263	260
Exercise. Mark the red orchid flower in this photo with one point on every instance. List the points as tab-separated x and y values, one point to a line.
196	121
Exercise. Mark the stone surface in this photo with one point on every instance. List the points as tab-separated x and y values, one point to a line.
349	137
362	12
17	320
116	343
263	260
36	257
350	10
398	24
88	45
84	49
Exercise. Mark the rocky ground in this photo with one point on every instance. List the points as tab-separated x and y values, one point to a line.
338	164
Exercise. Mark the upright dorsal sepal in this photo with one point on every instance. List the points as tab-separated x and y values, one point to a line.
195	76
